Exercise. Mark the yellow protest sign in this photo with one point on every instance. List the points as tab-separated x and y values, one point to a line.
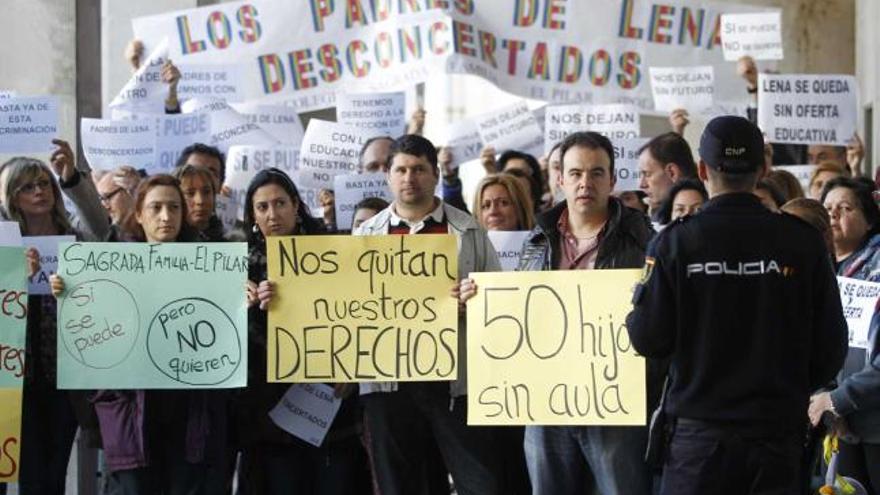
10	433
362	308
551	348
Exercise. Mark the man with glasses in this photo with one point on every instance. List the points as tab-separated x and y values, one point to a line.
116	190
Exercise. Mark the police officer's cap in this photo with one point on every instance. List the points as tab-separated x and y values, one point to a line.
732	145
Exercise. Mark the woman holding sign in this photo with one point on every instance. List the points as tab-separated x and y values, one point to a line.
854	405
33	198
274	461
159	442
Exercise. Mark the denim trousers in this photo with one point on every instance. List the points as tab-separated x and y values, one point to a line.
565	460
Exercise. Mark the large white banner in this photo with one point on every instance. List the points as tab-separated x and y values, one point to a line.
563	51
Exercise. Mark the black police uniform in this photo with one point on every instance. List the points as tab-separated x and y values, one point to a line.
745	302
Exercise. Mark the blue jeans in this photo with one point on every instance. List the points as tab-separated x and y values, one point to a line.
566	460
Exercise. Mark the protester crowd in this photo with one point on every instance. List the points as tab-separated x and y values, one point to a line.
412	438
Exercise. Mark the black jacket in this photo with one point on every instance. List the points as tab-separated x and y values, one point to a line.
746	303
623	243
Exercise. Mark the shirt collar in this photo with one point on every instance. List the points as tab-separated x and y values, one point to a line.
435	215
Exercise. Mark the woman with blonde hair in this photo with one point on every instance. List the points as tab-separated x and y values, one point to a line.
502	203
32	197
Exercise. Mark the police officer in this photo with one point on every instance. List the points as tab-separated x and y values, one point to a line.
745	303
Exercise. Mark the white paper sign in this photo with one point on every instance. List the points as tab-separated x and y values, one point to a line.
47	246
307	411
243	162
351	189
859	299
209	81
626	163
807	109
613	121
227	211
464	141
281	122
691	88
176	132
108	144
756	35
228	127
10	234
511	128
470	173
801	172
329	149
145	91
7	93
383	114
28	125
508	246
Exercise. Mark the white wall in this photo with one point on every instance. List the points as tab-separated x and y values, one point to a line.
38	54
867	48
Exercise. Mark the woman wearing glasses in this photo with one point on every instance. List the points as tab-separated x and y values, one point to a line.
32	197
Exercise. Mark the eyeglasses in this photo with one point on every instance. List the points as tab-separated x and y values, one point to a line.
31	187
105	198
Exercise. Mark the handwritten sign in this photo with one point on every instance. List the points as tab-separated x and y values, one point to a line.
757	35
13	316
329	149
382	114
691	88
626	163
10	433
807	109
363	308
551	348
108	144
47	246
307	411
859	300
139	315
228	127
280	122
614	121
508	247
511	128
28	125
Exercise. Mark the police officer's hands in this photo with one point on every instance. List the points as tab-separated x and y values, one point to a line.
819	405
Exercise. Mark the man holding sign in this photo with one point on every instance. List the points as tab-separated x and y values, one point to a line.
399	417
589	230
745	303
